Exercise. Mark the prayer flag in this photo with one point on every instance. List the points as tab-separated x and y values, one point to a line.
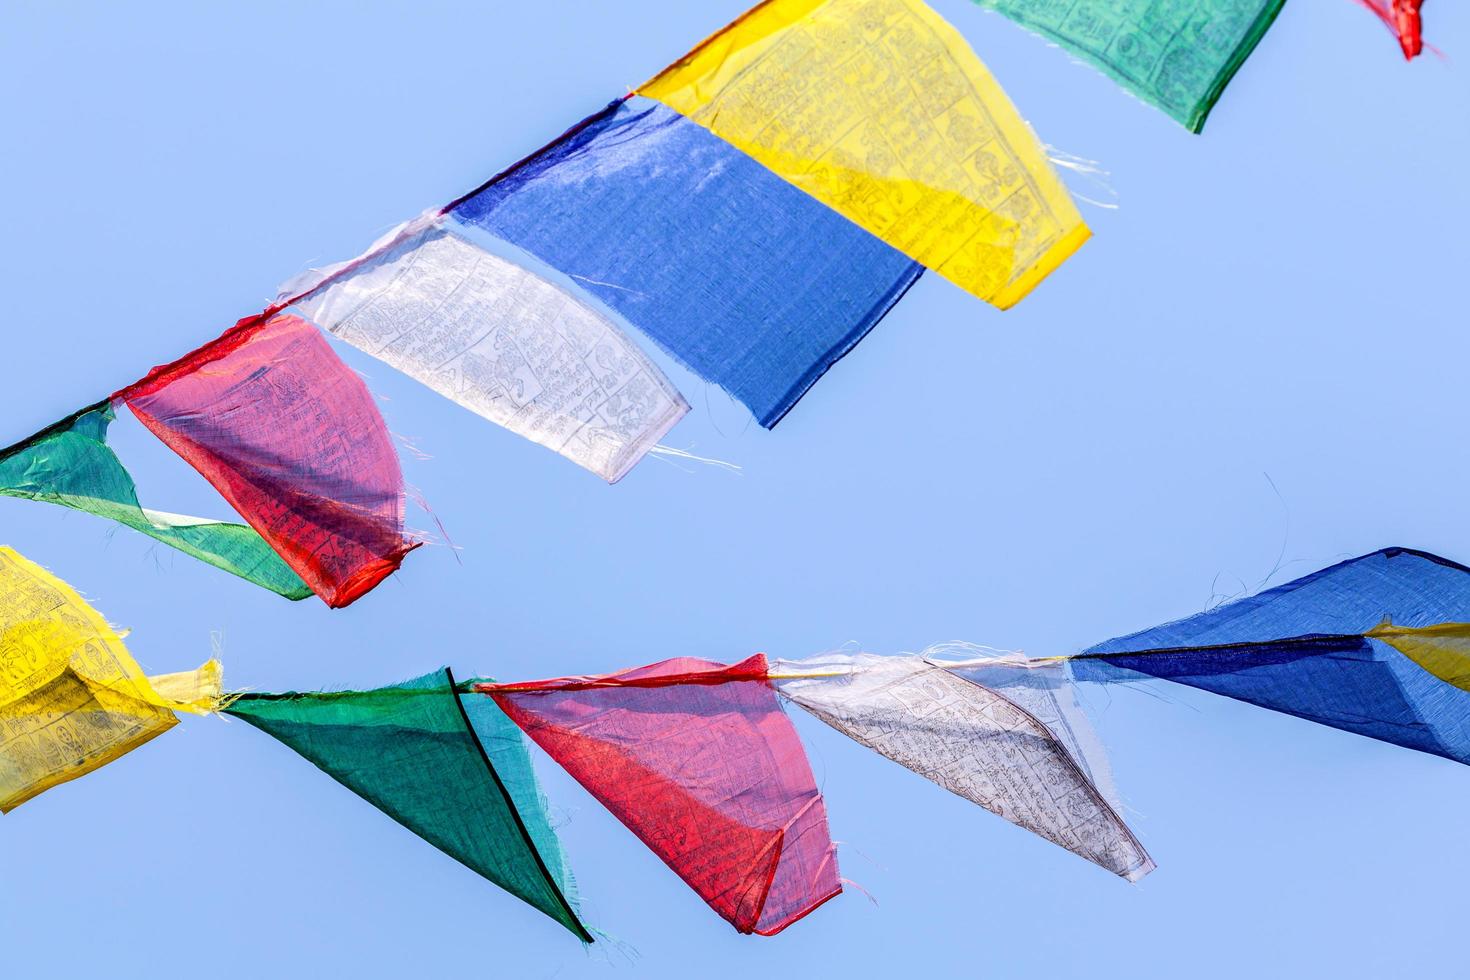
701	763
1177	56
453	771
1404	20
71	697
976	741
1366	646
500	340
291	438
742	278
69	463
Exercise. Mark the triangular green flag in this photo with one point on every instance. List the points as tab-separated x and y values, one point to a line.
452	769
69	463
1177	56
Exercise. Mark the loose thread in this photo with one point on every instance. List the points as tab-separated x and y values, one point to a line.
1091	171
669	453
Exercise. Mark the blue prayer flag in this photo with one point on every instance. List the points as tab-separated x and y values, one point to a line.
1304	648
747	281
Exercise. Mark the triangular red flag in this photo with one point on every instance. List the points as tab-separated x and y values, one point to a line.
699	760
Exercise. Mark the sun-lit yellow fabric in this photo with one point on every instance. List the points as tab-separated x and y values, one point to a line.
879	109
195	691
1443	650
71	697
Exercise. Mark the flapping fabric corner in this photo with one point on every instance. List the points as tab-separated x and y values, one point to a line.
1178	57
700	762
1443	649
739	276
69	463
71	697
880	110
972	740
456	774
291	438
504	343
1365	646
1404	19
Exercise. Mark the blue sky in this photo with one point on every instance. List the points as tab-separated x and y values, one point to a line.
1260	354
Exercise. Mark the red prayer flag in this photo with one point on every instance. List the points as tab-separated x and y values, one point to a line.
699	760
290	436
1404	19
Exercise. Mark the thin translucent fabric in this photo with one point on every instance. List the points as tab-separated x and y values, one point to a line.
700	762
742	278
291	438
71	697
972	740
454	772
1404	19
503	342
1443	650
1045	691
880	110
69	463
1178	56
1331	647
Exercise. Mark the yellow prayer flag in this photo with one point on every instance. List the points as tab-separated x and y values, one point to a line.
1443	649
71	697
879	109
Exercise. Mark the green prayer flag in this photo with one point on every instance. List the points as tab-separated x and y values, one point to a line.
70	463
1175	54
453	769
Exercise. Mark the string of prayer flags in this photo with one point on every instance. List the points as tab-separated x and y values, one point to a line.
973	740
453	770
1404	20
72	699
1375	645
69	463
756	209
699	761
289	435
500	340
742	278
880	110
1178	57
